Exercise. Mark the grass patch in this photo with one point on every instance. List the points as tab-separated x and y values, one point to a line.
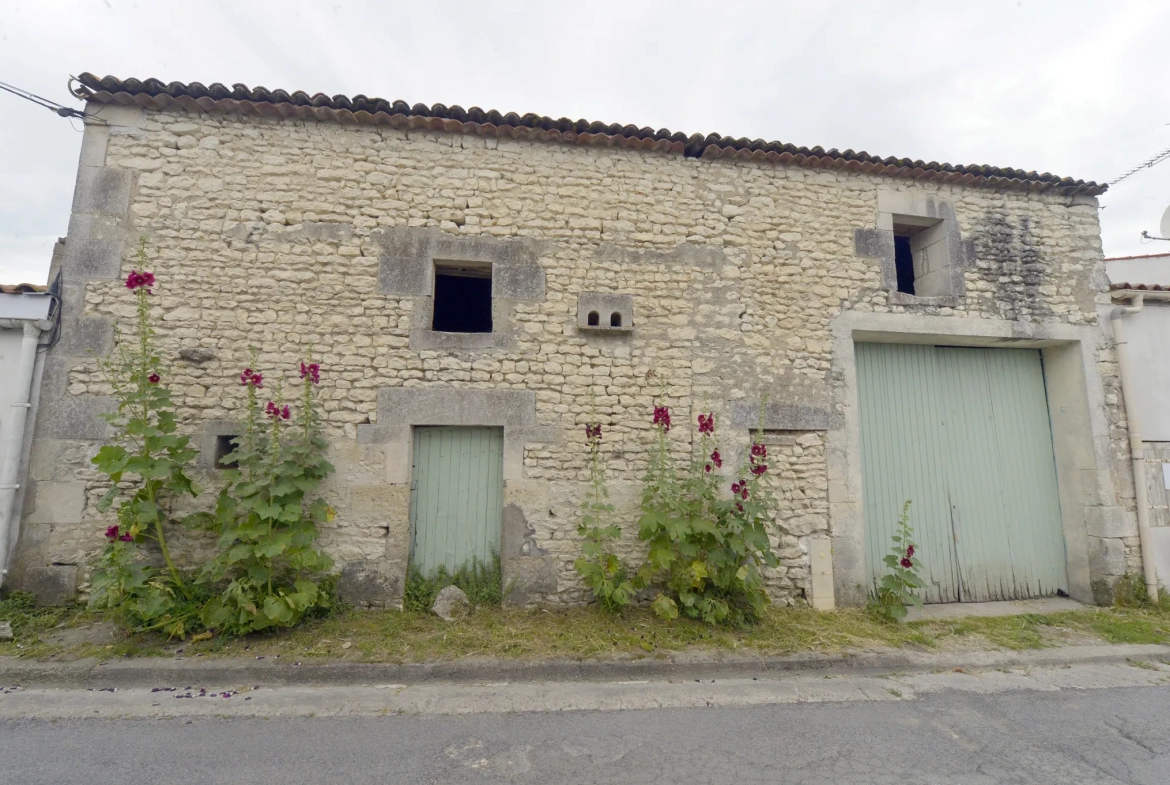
584	633
480	580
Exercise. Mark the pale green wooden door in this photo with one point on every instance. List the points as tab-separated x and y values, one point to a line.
456	495
964	434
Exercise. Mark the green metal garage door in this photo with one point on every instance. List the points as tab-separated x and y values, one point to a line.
964	435
456	495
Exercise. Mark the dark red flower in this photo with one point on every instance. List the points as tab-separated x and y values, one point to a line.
717	459
312	370
662	417
739	506
250	377
127	537
154	378
909	551
759	451
759	469
137	280
112	533
708	468
734	488
706	423
593	431
906	563
281	412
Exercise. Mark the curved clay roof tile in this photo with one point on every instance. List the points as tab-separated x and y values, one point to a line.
195	97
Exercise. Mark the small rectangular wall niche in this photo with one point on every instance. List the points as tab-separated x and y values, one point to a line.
463	298
607	313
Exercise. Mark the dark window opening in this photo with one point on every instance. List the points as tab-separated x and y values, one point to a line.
615	319
904	264
463	300
594	319
225	446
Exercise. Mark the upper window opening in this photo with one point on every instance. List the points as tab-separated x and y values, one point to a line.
463	298
615	319
904	263
594	319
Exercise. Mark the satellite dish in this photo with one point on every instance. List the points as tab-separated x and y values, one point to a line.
1165	225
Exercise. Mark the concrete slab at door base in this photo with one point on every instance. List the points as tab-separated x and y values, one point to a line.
956	610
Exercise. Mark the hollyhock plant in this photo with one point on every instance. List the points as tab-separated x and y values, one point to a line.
147	463
705	550
265	574
898	588
606	575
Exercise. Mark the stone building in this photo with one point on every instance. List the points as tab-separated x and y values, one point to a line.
474	282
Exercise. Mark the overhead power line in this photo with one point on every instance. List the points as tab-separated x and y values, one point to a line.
52	106
1157	159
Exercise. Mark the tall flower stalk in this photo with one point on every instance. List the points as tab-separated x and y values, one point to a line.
147	462
603	571
268	515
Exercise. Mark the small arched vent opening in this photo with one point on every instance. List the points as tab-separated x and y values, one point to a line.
594	319
615	319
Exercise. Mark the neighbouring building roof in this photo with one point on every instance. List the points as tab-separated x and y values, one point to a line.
1165	256
260	101
1138	287
21	288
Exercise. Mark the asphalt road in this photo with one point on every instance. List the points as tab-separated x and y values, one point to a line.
1100	736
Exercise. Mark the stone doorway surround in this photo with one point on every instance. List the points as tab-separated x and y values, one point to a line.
1092	519
527	569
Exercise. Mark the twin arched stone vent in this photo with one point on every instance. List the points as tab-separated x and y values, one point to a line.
609	313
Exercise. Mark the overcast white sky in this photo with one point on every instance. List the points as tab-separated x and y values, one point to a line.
1075	88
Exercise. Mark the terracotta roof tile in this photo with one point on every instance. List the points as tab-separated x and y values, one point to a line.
1138	287
360	109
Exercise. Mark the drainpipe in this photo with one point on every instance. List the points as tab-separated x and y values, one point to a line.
12	439
1136	448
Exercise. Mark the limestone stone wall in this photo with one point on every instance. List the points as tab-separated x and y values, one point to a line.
283	235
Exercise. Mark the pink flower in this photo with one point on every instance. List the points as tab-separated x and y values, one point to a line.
759	469
250	377
706	423
717	459
112	533
593	431
154	378
312	370
662	417
137	280
275	412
